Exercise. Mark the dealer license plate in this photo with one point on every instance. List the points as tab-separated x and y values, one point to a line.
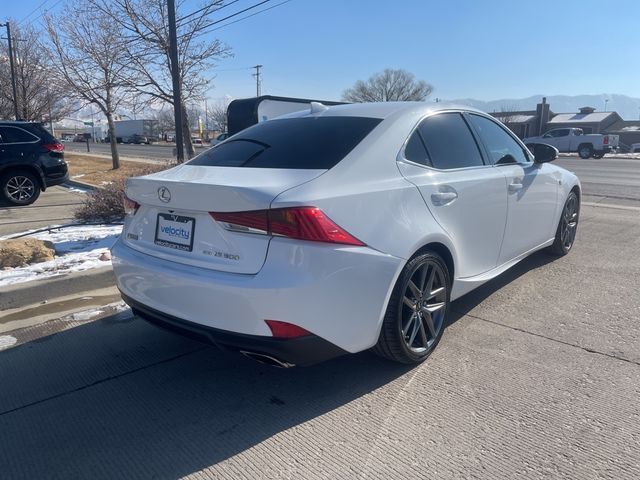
175	231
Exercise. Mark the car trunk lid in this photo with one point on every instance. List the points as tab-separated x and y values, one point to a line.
173	220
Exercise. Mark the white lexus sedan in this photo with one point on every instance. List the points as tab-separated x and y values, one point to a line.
335	230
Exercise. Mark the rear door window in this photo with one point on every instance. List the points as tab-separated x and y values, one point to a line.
296	143
449	142
17	135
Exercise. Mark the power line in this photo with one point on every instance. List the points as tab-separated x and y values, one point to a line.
204	27
33	11
41	14
248	16
205	8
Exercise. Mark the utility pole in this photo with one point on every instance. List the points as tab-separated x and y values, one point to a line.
13	72
175	76
206	120
258	81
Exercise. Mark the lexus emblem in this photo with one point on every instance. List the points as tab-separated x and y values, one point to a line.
164	194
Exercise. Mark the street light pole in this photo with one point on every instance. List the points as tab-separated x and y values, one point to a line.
13	72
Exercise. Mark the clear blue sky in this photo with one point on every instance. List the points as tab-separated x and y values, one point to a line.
484	49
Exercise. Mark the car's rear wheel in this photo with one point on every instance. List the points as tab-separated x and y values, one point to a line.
567	226
20	187
585	151
419	305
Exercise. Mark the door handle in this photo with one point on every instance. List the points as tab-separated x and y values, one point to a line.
443	198
515	186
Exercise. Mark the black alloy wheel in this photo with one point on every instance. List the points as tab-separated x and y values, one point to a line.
417	311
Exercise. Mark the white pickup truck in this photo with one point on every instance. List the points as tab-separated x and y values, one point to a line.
574	140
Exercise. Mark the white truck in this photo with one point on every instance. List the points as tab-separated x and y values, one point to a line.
136	131
571	140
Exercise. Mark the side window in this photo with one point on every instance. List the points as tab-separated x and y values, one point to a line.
415	150
449	142
551	134
16	135
501	146
563	133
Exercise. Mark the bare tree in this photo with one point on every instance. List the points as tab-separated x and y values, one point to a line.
388	86
146	52
86	47
217	114
166	122
40	92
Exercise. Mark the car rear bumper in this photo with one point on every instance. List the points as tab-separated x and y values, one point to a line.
301	351
337	293
55	175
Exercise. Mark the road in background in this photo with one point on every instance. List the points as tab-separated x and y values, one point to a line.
610	176
152	152
537	376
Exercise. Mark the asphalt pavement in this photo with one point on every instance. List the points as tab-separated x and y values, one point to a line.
162	152
537	376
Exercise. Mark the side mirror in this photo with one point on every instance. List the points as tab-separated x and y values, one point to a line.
542	152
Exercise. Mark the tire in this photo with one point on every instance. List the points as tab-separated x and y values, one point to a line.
585	150
567	226
598	154
19	187
414	322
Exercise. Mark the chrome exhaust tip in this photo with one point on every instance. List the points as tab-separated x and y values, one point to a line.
267	359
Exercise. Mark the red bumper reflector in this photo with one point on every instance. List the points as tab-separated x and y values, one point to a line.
286	330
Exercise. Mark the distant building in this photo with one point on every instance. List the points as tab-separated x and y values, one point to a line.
587	119
533	123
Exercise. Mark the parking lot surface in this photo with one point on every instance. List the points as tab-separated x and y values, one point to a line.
537	376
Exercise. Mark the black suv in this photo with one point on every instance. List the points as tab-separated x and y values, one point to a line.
31	159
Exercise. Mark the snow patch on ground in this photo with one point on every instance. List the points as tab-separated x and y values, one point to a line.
7	341
77	248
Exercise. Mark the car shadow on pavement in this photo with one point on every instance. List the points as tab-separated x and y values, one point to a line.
463	305
118	398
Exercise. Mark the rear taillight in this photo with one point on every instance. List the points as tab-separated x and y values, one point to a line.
53	147
286	330
605	140
302	223
130	206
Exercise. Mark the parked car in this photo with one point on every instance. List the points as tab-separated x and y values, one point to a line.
198	143
220	138
31	160
573	140
292	249
635	148
138	139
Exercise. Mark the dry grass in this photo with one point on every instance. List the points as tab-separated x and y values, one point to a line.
98	171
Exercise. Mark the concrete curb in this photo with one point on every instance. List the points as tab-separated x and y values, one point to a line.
77	184
21	294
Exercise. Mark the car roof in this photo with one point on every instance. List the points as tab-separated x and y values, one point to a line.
381	109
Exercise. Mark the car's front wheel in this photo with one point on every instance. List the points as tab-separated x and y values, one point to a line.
20	187
417	310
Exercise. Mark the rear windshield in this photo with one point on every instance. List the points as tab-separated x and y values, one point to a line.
305	143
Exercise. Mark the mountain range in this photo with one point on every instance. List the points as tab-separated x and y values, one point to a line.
627	107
